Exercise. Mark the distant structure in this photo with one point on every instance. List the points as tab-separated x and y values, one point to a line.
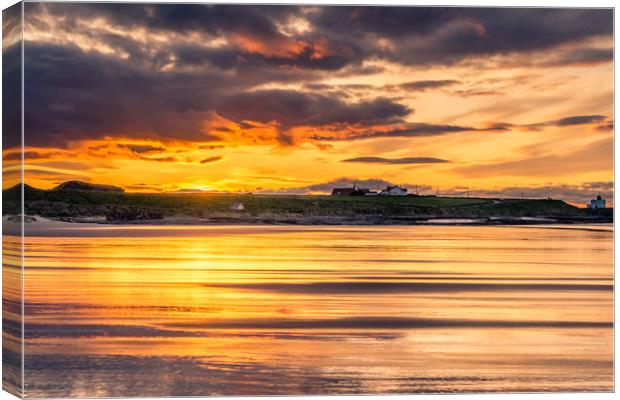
599	202
393	191
356	191
342	191
237	207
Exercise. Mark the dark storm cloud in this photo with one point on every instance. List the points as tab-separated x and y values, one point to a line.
76	95
167	89
231	57
103	96
28	155
293	108
141	148
349	86
569	121
177	18
405	160
448	35
340	35
422	86
226	57
578	120
258	24
583	56
11	91
411	130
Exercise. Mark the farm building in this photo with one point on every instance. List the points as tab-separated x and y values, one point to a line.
354	191
343	191
393	191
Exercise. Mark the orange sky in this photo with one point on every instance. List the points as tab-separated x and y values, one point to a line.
276	99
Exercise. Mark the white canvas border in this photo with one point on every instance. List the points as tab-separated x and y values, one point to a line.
478	3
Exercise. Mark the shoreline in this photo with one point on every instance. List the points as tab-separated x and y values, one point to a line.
180	227
318	221
359	220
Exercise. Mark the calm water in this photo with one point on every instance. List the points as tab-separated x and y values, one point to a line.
295	310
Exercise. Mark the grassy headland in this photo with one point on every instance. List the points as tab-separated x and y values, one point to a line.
69	204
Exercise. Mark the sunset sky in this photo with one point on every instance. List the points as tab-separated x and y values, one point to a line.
299	99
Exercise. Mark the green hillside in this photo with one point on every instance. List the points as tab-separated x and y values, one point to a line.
71	203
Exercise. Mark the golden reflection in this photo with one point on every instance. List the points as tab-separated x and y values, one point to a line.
383	309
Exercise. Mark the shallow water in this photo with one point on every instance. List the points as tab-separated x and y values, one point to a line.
312	310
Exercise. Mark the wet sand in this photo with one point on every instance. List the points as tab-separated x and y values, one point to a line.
256	310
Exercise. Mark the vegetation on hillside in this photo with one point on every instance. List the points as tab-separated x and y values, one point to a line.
62	203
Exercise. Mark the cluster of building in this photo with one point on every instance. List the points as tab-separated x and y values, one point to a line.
597	203
356	191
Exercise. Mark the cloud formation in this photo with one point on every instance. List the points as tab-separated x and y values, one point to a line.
162	71
294	108
419	129
141	148
422	86
404	160
211	160
570	121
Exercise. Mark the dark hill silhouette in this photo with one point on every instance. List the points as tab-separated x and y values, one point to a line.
14	193
87	187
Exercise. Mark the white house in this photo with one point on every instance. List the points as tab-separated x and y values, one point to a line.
394	191
599	202
237	207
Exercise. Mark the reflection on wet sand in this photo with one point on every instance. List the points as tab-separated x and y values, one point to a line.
11	314
290	310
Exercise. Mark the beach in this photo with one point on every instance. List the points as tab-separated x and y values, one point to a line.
122	310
